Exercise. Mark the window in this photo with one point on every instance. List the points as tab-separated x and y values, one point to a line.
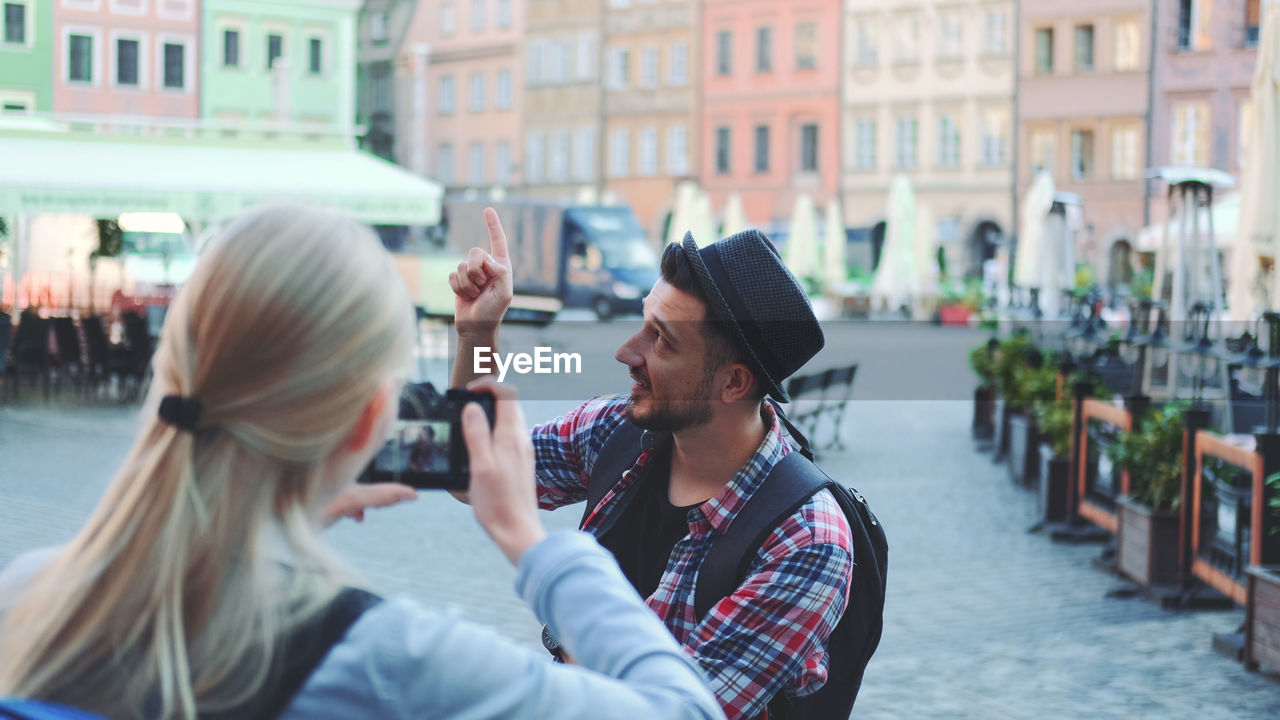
533	64
126	61
906	150
475	93
724	52
1044	51
764	49
995	128
994	37
906	49
864	151
378	27
1124	153
444	163
1081	154
1252	22
648	163
446	95
584	153
534	156
15	23
477	15
502	163
315	56
503	99
231	48
381	73
809	148
950	39
678	70
560	58
175	66
948	142
1084	48
503	15
619	153
475	163
448	19
761	155
275	49
1127	50
806	46
618	68
649	67
722	151
1191	128
80	58
867	53
1194	25
588	57
1044	146
677	150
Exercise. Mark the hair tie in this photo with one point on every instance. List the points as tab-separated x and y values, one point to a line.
181	412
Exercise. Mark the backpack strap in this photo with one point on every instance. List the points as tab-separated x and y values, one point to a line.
790	484
620	451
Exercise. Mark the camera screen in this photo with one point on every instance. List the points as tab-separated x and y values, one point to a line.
417	446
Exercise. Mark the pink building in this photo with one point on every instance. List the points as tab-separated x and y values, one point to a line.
127	57
771	103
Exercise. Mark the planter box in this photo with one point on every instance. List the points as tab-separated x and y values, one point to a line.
1147	546
984	405
1264	617
1051	498
1001	415
1024	458
954	315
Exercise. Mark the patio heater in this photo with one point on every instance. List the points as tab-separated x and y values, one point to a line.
1201	352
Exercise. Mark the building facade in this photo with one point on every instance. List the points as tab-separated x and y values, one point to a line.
126	57
928	93
468	128
770	112
563	98
1083	104
26	57
389	87
651	109
286	61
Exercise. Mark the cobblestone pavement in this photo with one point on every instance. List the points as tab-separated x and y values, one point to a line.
983	620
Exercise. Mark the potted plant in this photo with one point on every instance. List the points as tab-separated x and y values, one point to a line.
1011	356
1263	611
1054	420
1036	384
982	360
1147	542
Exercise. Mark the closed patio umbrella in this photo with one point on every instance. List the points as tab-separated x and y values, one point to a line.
835	269
1259	212
735	217
801	251
897	280
1035	208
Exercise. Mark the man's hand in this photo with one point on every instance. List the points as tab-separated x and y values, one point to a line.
483	285
502	491
355	499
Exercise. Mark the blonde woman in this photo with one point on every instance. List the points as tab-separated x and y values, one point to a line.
275	382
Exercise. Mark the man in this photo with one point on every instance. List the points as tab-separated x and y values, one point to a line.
723	328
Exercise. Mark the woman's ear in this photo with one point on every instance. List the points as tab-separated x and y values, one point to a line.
370	419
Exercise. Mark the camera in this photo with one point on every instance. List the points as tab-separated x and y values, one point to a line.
425	449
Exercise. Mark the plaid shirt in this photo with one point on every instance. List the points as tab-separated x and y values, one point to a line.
770	635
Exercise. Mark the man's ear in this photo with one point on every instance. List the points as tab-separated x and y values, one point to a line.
738	383
362	432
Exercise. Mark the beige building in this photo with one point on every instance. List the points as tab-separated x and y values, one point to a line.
928	93
1083	104
650	120
386	71
563	98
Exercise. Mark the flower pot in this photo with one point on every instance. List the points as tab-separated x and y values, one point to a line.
1051	498
1263	624
984	405
1147	544
958	315
1024	460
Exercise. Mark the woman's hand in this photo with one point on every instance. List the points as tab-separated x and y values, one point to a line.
355	499
502	491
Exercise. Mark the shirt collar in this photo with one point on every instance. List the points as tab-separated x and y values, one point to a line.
726	504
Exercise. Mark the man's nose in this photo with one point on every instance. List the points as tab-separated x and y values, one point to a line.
629	354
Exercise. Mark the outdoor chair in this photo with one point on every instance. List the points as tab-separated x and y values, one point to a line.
134	363
67	363
6	330
807	393
30	354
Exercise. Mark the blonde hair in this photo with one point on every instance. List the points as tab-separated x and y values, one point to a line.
167	603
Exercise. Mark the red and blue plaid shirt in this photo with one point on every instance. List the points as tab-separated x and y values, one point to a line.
770	635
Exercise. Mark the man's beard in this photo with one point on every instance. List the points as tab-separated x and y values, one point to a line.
674	416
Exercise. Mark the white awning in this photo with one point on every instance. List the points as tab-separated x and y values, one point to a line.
203	181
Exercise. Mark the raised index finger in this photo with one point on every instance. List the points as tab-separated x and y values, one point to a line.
497	238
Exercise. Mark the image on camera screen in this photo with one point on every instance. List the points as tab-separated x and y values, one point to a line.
416	446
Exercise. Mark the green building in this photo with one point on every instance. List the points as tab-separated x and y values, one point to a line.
280	60
26	56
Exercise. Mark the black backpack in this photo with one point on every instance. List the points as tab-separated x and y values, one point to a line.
789	485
